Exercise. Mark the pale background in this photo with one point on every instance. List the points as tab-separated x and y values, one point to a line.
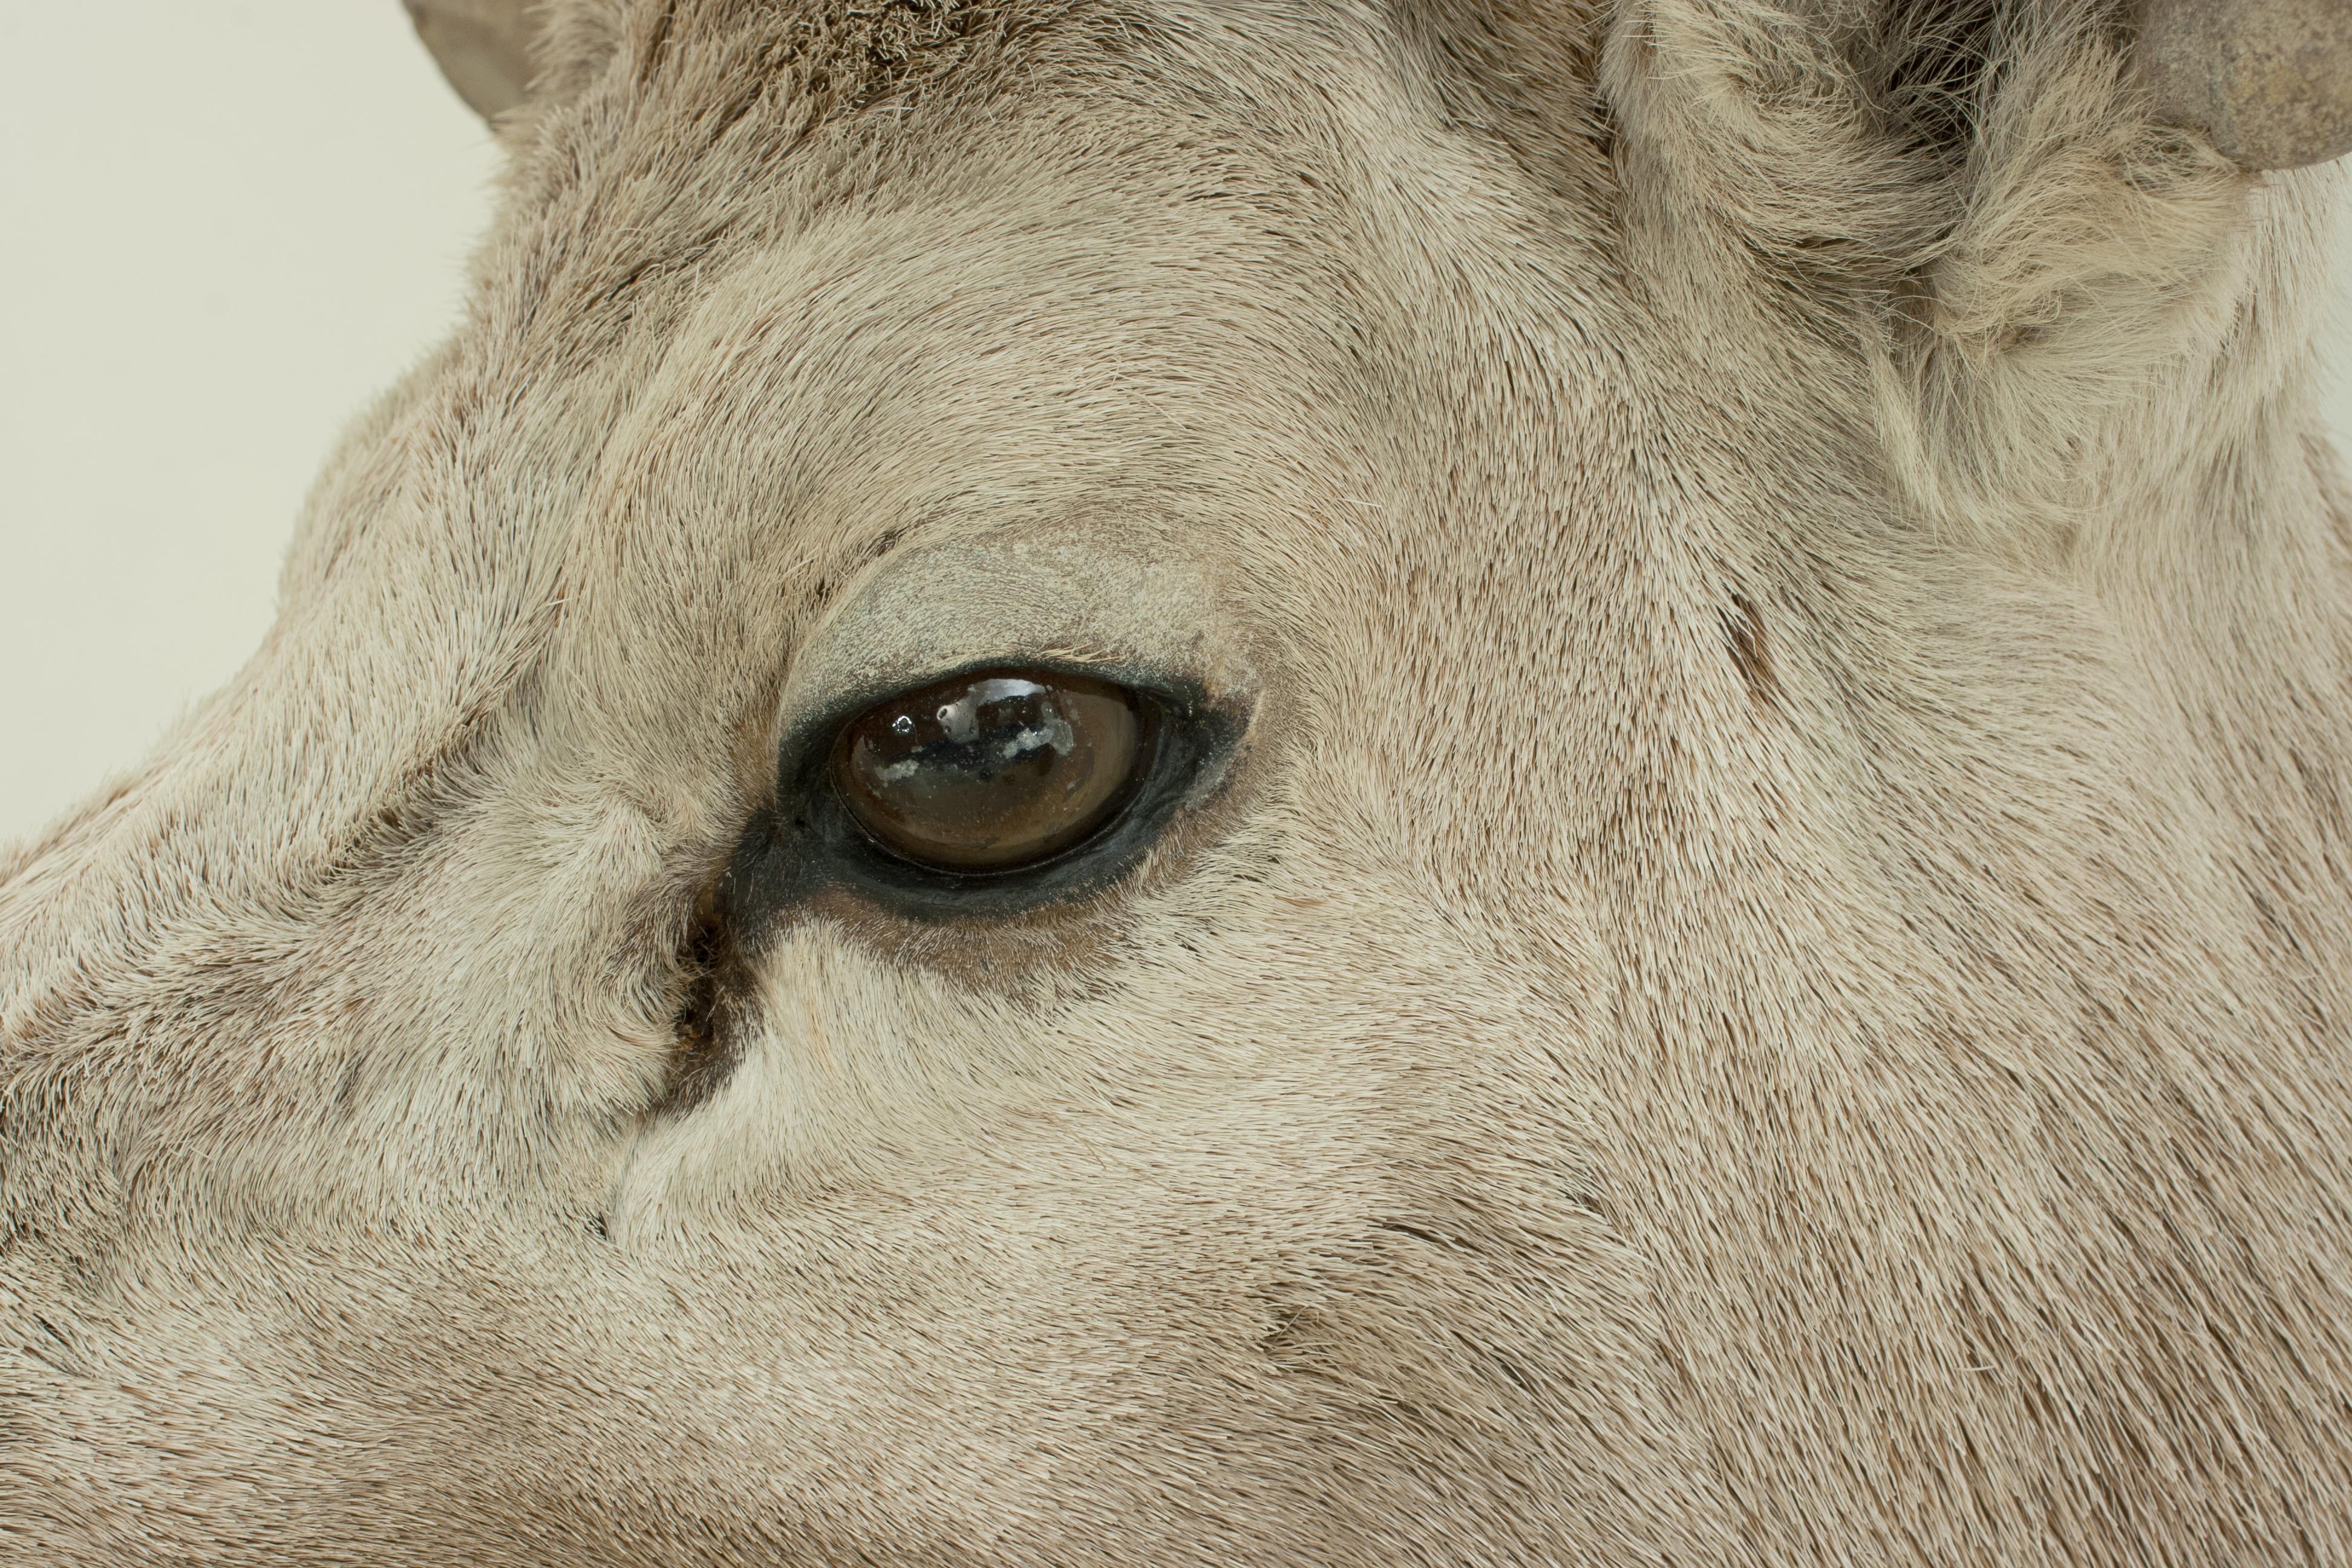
224	224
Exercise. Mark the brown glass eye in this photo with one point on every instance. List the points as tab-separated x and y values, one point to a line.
992	770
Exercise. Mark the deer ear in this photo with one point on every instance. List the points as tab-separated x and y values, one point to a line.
484	48
2036	224
2269	81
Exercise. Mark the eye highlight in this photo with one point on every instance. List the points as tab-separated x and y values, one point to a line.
993	771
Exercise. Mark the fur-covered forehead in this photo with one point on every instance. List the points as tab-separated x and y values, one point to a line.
824	62
816	63
701	98
727	103
1224	285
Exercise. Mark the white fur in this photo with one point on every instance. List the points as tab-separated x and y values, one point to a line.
1769	984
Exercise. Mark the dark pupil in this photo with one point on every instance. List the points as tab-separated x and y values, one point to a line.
988	772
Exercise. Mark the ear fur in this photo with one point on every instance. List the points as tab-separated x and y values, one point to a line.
483	46
1978	191
2270	82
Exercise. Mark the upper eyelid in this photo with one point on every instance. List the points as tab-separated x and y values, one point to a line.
931	610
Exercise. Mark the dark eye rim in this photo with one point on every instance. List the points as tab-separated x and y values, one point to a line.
812	839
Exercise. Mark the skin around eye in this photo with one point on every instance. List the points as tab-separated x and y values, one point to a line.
993	771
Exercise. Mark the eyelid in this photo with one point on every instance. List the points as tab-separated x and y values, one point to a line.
1048	597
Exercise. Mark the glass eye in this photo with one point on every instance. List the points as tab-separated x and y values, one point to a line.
992	770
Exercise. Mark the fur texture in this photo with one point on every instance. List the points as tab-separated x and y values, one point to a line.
1768	984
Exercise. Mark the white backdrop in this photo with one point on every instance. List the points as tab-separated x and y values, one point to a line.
227	224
